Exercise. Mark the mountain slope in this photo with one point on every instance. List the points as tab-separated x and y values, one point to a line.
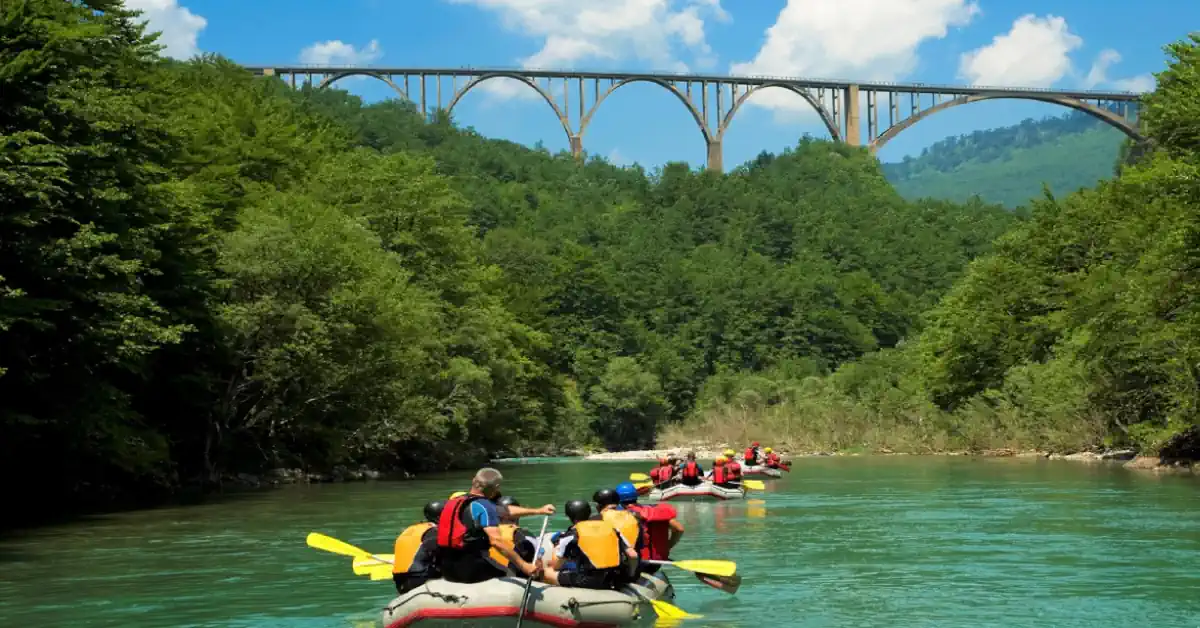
1009	165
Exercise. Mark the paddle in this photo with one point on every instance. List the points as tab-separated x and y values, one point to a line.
754	485
639	477
319	541
724	584
666	610
714	567
537	549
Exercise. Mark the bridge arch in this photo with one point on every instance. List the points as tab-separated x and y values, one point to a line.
1104	115
696	115
826	117
333	78
475	82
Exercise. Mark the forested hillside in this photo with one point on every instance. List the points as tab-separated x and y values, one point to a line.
1081	327
1009	165
204	272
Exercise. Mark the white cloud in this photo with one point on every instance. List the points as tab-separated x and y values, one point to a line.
1097	76
179	26
337	52
867	40
1034	53
657	32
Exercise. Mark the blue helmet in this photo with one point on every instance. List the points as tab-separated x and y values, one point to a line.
626	493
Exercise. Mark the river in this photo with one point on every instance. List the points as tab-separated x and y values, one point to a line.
841	541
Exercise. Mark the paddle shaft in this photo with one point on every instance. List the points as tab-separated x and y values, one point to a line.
537	549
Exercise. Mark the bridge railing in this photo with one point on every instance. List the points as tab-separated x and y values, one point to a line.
931	87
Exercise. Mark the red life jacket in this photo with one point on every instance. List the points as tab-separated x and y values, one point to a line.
733	470
719	475
691	470
457	529
658	475
656	530
750	456
772	459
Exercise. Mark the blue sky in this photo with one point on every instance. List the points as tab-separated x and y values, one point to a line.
1036	43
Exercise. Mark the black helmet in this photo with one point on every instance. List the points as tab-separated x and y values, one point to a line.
433	510
578	510
605	497
508	500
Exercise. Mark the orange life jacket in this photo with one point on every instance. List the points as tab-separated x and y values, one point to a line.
733	471
691	470
407	545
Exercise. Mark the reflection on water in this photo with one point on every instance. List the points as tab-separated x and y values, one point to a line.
837	542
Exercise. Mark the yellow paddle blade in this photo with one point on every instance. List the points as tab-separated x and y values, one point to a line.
364	566
754	485
329	544
642	485
639	477
382	572
666	610
715	567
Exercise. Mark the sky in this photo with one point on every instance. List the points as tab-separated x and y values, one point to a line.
1068	44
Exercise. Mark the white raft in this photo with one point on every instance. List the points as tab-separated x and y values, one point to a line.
497	602
762	471
703	491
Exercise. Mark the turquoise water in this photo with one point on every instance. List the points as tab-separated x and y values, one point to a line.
846	541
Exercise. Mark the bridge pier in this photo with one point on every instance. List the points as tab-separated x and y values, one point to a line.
853	130
576	146
715	161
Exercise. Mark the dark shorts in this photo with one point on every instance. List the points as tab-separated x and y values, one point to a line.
585	580
406	582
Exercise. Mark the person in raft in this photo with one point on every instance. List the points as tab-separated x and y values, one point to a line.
732	469
664	474
750	457
720	474
608	506
596	549
691	474
661	531
516	537
773	460
469	528
413	560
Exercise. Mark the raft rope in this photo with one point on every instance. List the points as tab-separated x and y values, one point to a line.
449	598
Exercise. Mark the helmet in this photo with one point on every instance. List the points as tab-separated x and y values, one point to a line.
433	510
605	497
729	453
719	461
457	494
626	492
663	461
508	500
578	510
768	450
754	444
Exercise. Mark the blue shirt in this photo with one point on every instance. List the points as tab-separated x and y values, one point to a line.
484	513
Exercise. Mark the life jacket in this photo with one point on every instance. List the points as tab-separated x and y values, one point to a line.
772	459
691	470
597	541
407	546
626	523
508	533
656	475
733	471
751	456
719	475
656	530
457	530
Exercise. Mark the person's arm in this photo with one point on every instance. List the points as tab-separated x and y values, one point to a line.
675	534
516	512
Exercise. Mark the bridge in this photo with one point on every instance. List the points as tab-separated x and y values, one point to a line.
714	100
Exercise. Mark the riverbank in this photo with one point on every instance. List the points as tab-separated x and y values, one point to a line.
1128	458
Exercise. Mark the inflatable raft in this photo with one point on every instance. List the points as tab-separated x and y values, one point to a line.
704	491
761	471
497	602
